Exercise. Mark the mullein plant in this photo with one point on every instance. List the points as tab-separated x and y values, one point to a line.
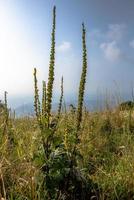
61	99
79	111
36	99
6	113
44	91
47	91
51	69
5	99
43	111
82	81
5	103
44	116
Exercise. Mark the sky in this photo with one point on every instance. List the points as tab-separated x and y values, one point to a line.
25	39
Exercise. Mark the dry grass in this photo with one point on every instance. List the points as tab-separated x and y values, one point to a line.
106	148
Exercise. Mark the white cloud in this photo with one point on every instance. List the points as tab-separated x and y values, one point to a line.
116	31
111	51
95	33
132	44
65	46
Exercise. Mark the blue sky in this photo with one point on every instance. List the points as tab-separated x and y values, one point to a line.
25	28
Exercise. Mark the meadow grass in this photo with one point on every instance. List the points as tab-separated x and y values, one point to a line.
106	156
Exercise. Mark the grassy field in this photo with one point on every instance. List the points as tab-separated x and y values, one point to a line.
104	158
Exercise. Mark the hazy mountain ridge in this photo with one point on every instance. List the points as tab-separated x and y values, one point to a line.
27	109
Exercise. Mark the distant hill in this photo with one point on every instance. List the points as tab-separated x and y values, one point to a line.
27	109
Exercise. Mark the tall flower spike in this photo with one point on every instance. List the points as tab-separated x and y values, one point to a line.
51	67
61	98
6	107
83	79
43	98
5	99
36	96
